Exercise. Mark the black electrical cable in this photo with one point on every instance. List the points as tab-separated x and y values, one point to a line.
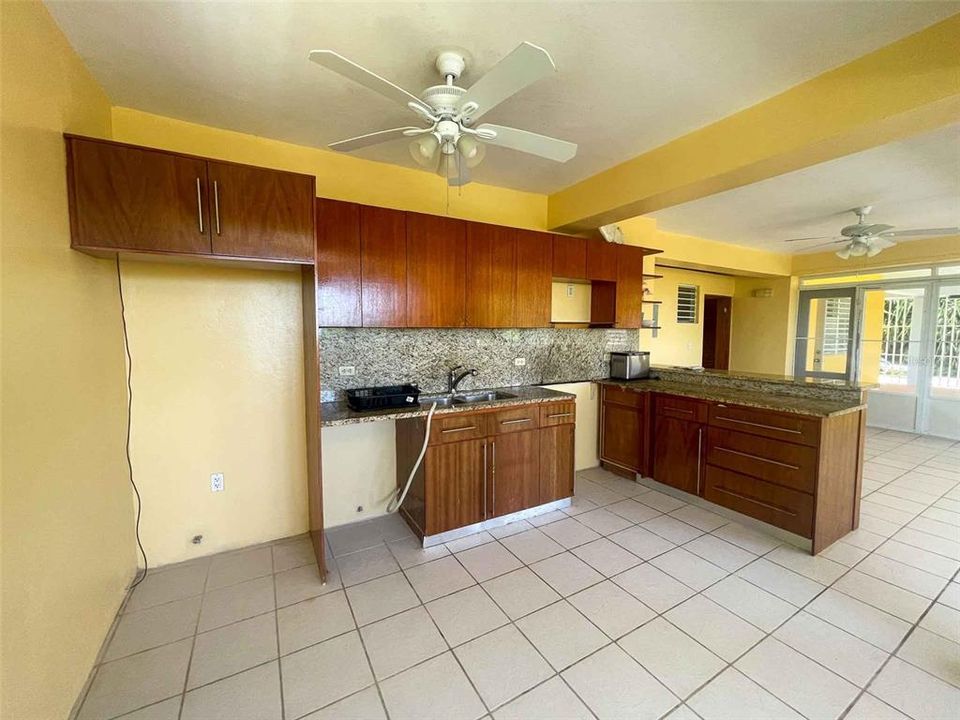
126	349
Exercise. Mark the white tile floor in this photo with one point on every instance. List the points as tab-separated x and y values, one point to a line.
630	604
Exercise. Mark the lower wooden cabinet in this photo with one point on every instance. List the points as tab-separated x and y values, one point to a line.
623	430
485	464
678	453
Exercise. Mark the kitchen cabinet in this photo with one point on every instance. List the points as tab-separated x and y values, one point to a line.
491	275
129	198
602	260
678	442
629	289
338	264
569	257
260	213
436	266
534	279
485	464
383	271
623	430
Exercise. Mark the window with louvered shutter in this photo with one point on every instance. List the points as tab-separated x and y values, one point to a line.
687	303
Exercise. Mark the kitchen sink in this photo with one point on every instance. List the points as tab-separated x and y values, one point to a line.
484	396
441	400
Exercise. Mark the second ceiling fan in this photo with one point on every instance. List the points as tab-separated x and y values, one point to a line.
453	142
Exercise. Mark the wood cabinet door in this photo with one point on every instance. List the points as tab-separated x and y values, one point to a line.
622	431
436	265
383	238
455	485
136	199
556	462
514	472
677	453
338	263
569	257
534	279
491	261
629	286
261	213
601	260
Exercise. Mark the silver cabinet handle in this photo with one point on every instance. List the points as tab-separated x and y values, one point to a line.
514	422
757	457
199	208
759	425
216	205
493	474
699	456
484	480
459	429
556	415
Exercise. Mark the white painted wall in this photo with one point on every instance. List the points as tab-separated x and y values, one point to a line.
360	461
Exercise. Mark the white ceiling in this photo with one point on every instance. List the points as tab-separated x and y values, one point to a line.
914	183
631	76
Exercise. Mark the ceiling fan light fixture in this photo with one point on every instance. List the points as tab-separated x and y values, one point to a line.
858	249
472	151
447	167
873	250
423	150
843	253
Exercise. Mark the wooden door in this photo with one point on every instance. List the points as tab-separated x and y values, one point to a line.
556	462
261	213
569	257
131	198
338	264
383	239
716	332
455	485
514	472
677	453
601	260
534	279
629	301
436	265
621	439
491	261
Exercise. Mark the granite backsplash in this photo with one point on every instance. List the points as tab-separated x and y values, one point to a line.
422	356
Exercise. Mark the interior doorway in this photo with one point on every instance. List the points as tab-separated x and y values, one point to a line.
717	311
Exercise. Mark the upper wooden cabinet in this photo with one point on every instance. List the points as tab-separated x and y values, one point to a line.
125	197
629	291
534	279
338	263
569	257
491	275
436	266
601	260
383	236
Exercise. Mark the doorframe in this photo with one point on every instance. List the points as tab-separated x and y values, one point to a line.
803	321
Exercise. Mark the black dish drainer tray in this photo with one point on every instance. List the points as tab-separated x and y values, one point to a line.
383	397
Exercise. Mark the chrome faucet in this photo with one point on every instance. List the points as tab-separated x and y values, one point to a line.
453	380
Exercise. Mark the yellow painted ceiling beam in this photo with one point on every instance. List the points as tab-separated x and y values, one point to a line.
902	89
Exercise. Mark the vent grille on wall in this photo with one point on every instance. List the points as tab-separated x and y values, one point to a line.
687	303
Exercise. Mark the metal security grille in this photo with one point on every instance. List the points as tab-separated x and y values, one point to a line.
895	340
946	353
836	326
687	303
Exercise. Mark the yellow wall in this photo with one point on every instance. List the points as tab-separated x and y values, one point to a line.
762	334
67	527
570	302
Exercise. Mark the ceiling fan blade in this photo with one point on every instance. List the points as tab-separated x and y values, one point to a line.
522	67
881	243
361	141
528	142
820	237
876	229
921	232
350	70
831	242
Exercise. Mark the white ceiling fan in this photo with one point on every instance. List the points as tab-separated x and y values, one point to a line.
867	239
453	142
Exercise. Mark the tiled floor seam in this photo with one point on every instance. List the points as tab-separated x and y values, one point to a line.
193	643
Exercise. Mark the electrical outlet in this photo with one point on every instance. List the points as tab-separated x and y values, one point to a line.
216	482
570	290
347	370
519	362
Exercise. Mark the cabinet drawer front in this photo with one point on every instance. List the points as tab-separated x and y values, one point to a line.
681	408
782	426
619	396
518	419
794	466
779	506
558	414
456	427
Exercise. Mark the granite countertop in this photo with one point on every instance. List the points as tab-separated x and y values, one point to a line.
339	413
816	407
763	377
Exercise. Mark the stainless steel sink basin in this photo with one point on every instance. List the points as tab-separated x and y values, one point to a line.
441	400
484	396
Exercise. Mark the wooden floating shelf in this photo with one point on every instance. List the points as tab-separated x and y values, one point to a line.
649	276
650	327
652	302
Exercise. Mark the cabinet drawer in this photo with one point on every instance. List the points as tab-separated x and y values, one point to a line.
456	427
780	506
781	426
619	396
558	414
524	417
794	466
681	408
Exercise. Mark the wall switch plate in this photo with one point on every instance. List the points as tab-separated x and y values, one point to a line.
347	370
216	482
570	290
519	362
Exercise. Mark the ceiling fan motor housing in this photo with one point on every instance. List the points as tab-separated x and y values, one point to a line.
444	99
